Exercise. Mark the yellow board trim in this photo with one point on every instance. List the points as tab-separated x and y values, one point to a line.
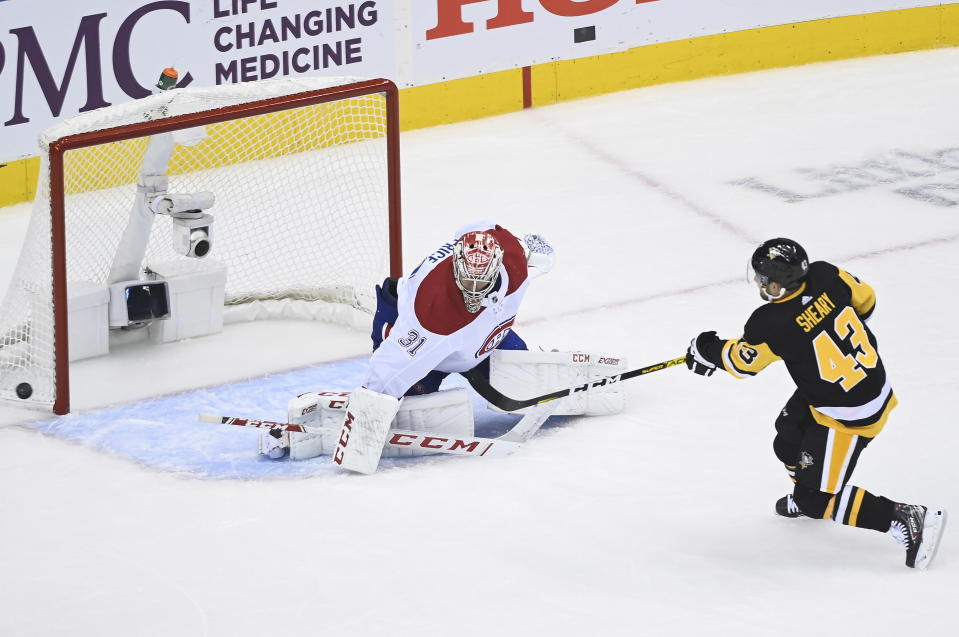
722	54
750	50
18	180
461	100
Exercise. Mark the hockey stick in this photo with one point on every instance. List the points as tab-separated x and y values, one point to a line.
481	384
403	439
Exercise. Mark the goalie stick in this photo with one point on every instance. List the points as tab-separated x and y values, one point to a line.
479	381
439	443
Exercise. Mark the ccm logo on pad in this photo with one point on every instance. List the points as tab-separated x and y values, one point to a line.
344	438
474	447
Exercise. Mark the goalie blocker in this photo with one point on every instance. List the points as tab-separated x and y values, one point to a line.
526	373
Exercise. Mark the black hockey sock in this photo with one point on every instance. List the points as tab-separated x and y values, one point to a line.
857	507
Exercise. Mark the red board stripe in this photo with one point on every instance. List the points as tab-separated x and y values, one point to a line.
527	87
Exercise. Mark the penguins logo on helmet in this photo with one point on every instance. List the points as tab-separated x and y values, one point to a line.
778	267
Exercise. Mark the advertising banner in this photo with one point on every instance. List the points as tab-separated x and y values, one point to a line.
60	58
458	37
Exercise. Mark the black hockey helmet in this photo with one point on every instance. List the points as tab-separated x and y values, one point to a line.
779	260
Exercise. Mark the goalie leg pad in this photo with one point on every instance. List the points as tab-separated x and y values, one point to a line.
363	431
530	373
447	412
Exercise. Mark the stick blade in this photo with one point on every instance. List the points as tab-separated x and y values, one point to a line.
531	422
211	418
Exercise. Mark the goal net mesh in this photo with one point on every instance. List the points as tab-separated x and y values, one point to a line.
301	214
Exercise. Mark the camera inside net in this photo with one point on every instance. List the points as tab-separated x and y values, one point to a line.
192	228
192	233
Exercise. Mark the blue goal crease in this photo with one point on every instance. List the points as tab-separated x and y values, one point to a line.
164	433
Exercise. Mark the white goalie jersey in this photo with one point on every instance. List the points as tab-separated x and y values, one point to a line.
435	331
444	323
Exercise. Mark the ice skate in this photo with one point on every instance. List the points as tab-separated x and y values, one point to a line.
918	529
787	507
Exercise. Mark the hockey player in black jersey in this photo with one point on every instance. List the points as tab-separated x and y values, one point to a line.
815	322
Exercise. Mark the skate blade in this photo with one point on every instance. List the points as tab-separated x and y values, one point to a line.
933	525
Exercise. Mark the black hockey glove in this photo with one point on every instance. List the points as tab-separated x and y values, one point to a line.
701	350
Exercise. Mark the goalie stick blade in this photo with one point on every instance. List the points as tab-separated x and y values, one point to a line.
399	438
531	422
482	386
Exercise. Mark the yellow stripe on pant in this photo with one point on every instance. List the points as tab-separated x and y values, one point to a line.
839	450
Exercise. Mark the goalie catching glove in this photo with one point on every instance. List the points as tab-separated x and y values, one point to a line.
540	257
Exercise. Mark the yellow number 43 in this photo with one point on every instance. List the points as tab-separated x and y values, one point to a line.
845	369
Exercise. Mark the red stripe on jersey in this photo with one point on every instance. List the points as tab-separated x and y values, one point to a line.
439	304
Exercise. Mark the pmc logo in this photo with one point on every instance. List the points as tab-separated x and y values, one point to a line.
40	56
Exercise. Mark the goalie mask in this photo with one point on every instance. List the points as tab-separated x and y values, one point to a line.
476	260
778	267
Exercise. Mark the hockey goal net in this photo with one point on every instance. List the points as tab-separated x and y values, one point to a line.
306	183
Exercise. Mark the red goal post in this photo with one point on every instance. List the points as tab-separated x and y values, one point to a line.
315	162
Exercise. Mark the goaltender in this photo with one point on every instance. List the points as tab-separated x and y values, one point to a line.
454	313
815	322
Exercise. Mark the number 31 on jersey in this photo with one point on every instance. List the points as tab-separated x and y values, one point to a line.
412	342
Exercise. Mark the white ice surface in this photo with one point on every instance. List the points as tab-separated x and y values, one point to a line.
657	521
